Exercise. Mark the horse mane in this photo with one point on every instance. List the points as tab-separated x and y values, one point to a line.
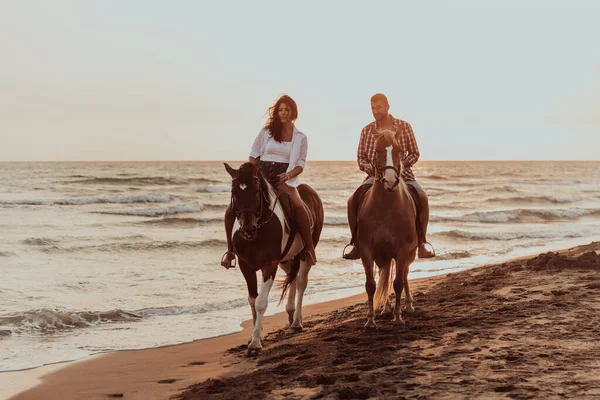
387	135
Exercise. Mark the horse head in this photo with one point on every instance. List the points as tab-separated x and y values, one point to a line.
249	197
388	165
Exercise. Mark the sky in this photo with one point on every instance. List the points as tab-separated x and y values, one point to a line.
192	80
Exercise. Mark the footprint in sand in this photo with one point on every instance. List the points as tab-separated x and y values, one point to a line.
168	380
197	363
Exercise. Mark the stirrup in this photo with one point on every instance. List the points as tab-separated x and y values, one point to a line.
432	248
234	260
345	256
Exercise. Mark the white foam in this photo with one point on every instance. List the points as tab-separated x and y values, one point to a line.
141	198
155	212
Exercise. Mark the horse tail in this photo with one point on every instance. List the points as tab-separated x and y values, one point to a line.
384	286
290	277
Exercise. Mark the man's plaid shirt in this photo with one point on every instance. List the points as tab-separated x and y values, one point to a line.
406	137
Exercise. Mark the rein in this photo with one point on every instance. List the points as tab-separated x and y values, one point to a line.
259	221
380	175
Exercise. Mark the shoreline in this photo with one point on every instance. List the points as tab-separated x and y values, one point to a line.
163	372
204	355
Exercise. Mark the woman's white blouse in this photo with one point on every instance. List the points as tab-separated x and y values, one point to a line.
298	150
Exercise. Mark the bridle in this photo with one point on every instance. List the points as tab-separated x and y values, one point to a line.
380	175
380	171
259	221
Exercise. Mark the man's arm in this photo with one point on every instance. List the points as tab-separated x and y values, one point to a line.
364	164
412	149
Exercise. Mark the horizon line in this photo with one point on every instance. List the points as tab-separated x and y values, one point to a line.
234	160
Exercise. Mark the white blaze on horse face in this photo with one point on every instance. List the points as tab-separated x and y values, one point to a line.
389	174
243	186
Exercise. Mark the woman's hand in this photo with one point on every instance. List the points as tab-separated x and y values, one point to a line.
284	177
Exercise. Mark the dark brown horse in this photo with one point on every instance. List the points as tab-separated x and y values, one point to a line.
387	230
260	239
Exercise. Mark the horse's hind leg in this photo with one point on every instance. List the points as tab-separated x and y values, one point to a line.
408	300
387	306
290	306
398	285
370	287
301	281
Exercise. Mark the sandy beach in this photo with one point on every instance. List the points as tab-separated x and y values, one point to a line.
527	328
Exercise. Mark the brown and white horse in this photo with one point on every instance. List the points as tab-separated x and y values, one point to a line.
386	230
260	238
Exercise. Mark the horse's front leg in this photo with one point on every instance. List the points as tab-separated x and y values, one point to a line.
370	287
301	281
250	277
290	307
262	301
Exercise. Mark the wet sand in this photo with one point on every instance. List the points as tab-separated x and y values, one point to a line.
523	329
527	328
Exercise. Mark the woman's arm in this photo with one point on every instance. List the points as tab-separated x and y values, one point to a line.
257	146
292	174
298	158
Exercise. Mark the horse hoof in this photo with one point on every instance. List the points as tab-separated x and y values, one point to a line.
296	328
409	309
370	325
253	352
398	320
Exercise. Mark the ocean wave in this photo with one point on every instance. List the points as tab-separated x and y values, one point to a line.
499	189
39	241
6	253
217	306
143	246
438	177
157	212
175	222
215	206
336	220
520	215
457	234
536	199
141	198
50	321
214	189
453	255
335	186
53	320
143	181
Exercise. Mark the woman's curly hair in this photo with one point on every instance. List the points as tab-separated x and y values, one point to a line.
274	124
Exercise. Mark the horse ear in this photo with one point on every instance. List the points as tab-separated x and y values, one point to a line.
231	171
